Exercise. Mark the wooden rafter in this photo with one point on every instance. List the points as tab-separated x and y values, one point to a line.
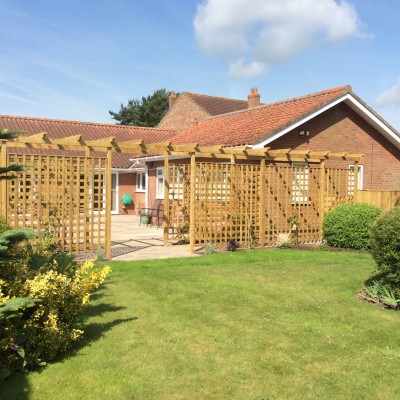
77	143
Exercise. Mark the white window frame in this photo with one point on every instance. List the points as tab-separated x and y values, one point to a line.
116	192
160	177
300	183
141	181
350	179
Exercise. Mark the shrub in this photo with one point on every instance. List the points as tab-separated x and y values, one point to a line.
42	295
385	248
349	225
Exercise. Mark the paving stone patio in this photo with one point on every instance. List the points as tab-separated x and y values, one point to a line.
129	241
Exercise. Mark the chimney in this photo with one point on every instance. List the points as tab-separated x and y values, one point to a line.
171	99
253	98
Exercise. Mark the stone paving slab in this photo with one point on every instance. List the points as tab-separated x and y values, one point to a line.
129	241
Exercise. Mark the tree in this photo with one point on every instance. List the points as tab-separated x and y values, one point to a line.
4	135
11	236
146	112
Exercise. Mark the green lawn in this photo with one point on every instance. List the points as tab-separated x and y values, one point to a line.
275	324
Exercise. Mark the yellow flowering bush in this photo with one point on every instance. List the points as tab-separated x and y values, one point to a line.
55	318
42	296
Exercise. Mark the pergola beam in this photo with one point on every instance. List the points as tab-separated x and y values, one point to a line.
104	145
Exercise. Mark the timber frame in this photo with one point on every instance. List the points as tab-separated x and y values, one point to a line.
192	152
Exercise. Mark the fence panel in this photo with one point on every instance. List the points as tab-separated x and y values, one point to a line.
62	194
385	200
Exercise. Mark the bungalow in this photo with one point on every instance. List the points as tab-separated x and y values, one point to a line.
335	120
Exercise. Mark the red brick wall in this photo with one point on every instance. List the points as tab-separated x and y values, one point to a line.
127	185
181	115
342	130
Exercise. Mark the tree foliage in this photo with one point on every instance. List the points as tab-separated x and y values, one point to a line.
145	112
4	135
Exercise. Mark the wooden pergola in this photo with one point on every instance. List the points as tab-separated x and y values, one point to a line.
94	163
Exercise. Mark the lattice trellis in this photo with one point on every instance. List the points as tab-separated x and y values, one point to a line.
249	198
64	194
232	202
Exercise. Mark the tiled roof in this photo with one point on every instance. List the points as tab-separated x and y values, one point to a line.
89	131
217	105
254	125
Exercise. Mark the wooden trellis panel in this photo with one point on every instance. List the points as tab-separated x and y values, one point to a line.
340	187
228	200
63	194
179	201
292	192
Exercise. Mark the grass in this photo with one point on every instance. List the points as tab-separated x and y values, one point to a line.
276	324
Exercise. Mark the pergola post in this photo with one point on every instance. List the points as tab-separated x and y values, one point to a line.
108	203
321	197
166	199
262	203
192	202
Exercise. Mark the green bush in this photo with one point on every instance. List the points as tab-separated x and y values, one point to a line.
3	225
349	225
385	249
42	295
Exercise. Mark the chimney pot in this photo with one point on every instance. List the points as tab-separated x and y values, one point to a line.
171	99
253	98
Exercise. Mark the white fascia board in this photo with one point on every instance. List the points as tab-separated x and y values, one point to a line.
279	134
120	170
356	106
372	119
155	158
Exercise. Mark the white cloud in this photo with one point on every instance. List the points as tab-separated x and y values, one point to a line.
390	97
252	35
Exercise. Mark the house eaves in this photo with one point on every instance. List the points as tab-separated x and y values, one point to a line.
356	104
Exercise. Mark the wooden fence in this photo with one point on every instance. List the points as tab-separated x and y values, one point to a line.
385	200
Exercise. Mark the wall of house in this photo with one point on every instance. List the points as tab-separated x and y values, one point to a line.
182	114
342	130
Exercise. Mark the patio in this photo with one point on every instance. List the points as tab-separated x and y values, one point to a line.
129	241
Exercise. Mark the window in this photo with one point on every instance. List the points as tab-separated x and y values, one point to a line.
141	182
160	183
300	183
114	193
350	179
176	182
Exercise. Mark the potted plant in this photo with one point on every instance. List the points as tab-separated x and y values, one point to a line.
145	218
126	199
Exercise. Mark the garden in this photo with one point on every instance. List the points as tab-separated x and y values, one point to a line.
263	324
276	323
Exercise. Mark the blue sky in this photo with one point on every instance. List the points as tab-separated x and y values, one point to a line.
78	59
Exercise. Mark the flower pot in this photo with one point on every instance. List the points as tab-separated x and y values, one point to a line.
145	219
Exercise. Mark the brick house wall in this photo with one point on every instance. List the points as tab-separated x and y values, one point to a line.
127	185
182	114
341	129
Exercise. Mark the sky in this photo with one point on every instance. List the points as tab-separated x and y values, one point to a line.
79	59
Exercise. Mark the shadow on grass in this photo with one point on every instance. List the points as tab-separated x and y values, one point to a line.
17	387
94	331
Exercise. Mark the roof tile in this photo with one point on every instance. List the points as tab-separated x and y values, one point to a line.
89	130
251	126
